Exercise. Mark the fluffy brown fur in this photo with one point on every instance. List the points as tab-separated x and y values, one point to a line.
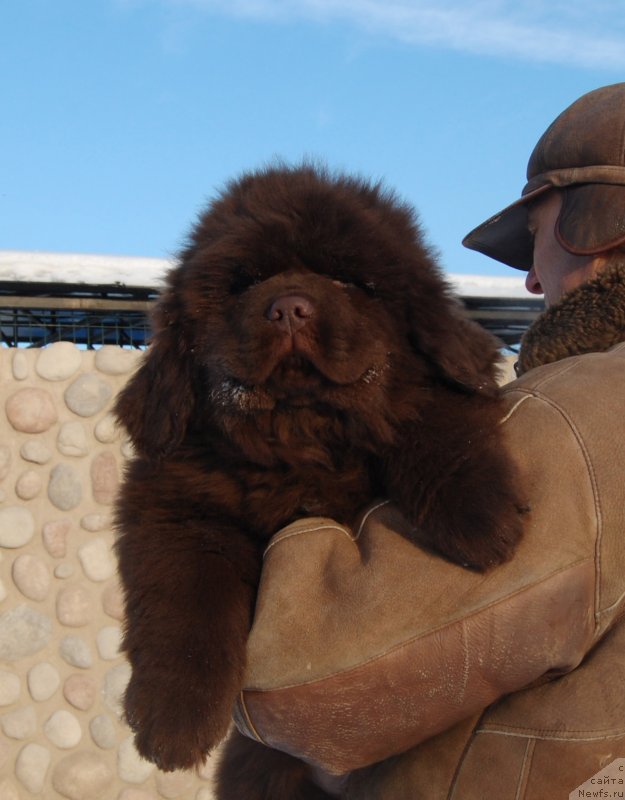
307	357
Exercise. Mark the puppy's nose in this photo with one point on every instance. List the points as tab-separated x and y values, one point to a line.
291	312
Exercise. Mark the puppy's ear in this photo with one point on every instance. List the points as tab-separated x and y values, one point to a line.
459	350
156	404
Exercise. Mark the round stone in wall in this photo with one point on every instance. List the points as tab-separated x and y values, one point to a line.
104	478
80	691
127	449
96	559
58	361
72	439
114	360
108	642
113	600
31	410
82	775
95	522
206	769
10	686
130	766
31	766
19	724
31	576
43	681
5	461
35	451
28	485
103	733
19	366
73	606
23	632
5	752
64	570
138	794
172	785
114	686
76	652
54	535
8	790
63	729
64	487
87	395
17	526
107	430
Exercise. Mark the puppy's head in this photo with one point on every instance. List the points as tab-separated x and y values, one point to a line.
300	288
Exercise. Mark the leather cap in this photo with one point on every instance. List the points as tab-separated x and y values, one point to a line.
582	153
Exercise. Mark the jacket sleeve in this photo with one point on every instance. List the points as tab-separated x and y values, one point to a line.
372	646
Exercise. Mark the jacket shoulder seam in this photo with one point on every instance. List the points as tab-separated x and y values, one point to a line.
525	770
548	735
427	633
559	409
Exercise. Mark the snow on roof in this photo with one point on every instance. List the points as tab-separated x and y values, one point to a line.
489	286
19	266
22	266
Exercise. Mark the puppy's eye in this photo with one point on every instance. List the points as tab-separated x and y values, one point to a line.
350	283
241	281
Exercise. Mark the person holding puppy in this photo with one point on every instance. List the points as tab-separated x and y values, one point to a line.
519	673
566	426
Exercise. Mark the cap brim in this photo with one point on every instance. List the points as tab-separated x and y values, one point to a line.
505	236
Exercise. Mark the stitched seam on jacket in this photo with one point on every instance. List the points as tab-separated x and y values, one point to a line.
617	602
545	736
423	635
525	769
593	482
381	504
328	526
314	529
514	408
248	719
564	365
465	751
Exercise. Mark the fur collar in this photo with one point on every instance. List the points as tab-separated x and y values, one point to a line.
589	319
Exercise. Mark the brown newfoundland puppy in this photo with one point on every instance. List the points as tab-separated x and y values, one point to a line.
307	357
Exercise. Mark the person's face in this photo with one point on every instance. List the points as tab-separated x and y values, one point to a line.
555	271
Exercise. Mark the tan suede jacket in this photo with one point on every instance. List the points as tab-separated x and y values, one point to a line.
553	616
517	677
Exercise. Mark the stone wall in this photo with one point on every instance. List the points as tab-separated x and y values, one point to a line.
61	674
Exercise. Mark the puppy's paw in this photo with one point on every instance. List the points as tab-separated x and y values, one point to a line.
473	514
476	533
477	539
176	724
248	770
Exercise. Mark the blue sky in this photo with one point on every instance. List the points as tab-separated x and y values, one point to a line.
122	117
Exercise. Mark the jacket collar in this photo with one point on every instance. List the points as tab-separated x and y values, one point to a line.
589	319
